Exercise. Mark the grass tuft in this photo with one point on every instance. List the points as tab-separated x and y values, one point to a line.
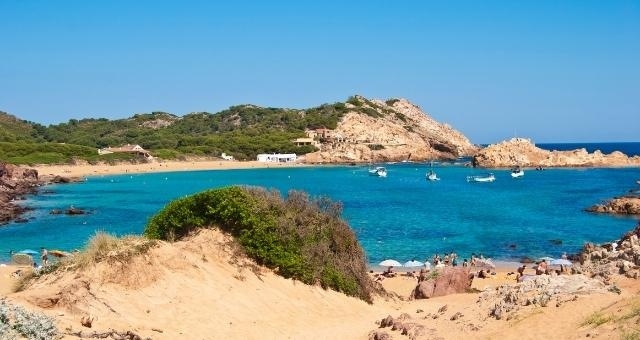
596	319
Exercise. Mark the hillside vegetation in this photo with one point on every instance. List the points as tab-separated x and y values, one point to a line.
242	131
299	237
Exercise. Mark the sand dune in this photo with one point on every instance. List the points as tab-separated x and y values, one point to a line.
200	289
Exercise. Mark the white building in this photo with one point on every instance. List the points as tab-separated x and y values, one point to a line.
277	157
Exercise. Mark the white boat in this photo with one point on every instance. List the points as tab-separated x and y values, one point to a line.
482	178
379	171
431	175
517	172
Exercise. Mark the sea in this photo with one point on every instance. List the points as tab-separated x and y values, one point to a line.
401	217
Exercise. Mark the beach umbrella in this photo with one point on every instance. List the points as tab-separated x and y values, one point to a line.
28	251
390	263
413	263
561	262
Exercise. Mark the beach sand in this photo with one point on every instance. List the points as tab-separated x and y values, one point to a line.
198	290
84	170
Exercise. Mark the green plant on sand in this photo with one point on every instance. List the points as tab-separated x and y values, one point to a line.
299	237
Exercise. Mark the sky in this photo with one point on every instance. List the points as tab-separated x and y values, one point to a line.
552	71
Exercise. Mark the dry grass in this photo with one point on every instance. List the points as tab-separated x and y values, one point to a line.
106	247
596	319
23	281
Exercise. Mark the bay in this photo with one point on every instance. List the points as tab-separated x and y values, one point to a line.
403	216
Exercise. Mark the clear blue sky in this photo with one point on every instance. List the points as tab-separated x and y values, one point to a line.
554	71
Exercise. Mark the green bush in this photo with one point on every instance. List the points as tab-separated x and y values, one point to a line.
301	238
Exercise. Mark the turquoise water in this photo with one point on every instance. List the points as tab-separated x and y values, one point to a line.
402	216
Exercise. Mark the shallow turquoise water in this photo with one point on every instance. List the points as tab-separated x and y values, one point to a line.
402	216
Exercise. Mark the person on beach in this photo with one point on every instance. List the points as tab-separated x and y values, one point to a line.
520	272
44	257
482	274
389	272
465	263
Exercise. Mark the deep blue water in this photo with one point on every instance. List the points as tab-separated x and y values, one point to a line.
402	216
628	148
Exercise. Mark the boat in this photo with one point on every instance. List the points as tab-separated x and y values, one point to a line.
517	172
379	171
482	178
431	175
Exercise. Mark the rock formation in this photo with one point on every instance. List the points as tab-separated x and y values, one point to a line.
625	205
522	152
449	280
621	257
15	182
395	130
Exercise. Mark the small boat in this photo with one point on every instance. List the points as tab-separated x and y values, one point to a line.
379	171
431	175
517	172
482	178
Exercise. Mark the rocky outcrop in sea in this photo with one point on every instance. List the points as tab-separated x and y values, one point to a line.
15	182
624	205
523	152
392	130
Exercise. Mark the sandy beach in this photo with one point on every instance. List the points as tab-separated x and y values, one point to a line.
84	170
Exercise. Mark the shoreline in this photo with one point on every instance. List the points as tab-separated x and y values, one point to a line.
87	170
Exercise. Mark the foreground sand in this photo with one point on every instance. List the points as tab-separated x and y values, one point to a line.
160	166
200	290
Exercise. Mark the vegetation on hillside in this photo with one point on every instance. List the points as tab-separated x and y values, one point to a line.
301	238
242	131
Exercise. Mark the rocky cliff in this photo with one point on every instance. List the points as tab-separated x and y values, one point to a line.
522	152
392	130
14	183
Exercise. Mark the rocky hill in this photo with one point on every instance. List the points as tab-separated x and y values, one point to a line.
392	130
522	152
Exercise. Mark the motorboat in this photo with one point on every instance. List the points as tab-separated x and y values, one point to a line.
379	171
432	176
482	178
517	172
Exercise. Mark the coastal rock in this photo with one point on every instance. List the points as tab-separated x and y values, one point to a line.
450	280
539	291
626	205
60	179
399	130
15	182
522	152
621	256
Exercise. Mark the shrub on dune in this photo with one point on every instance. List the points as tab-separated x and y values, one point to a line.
300	237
